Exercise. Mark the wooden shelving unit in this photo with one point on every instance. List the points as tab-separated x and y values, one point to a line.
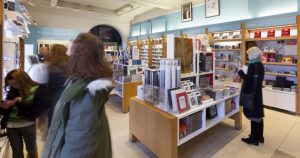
267	41
159	50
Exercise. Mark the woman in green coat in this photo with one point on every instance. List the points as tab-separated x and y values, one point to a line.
79	127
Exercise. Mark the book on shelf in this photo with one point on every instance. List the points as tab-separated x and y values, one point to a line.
211	112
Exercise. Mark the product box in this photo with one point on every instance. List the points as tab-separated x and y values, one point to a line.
271	33
257	34
285	32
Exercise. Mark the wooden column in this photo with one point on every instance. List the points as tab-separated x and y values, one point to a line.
22	54
150	45
298	65
243	43
1	45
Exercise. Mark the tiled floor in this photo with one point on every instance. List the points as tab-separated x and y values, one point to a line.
282	136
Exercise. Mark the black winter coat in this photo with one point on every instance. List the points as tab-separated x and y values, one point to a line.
57	77
248	87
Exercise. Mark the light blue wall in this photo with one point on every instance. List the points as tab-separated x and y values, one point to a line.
145	28
227	13
232	13
261	8
158	25
46	33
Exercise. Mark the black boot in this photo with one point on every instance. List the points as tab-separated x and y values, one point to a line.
261	138
253	137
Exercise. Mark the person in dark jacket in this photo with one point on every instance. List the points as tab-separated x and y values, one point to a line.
20	95
252	83
57	74
79	128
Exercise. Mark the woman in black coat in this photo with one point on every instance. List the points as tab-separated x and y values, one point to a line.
252	83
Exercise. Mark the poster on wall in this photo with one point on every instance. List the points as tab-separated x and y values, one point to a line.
44	48
212	8
186	12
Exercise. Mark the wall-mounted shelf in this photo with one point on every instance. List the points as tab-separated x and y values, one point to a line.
223	60
279	74
228	40
227	49
224	69
280	64
272	38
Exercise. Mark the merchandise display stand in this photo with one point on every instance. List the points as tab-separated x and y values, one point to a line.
159	130
280	52
129	89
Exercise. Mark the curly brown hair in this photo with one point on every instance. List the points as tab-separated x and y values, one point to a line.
87	59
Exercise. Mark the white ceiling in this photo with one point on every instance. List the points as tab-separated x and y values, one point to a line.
107	8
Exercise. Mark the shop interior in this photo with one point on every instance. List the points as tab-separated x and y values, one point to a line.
163	50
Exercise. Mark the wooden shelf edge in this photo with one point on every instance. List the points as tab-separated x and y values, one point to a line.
272	38
227	49
228	40
278	74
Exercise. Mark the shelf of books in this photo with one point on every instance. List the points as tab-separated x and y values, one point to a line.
158	51
279	56
228	48
144	52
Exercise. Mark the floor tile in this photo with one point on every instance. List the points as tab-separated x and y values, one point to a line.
291	146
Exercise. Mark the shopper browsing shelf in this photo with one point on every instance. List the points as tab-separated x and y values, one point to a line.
20	129
79	126
251	95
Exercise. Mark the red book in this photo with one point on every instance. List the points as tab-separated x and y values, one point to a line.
183	130
285	32
182	102
271	33
257	34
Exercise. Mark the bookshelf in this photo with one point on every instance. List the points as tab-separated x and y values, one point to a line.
145	48
145	119
228	47
158	50
280	51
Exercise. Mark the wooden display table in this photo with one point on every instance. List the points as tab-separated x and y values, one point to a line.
129	89
159	130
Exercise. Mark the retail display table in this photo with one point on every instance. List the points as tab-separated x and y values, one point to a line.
159	129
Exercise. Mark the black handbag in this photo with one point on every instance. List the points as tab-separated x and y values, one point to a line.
247	100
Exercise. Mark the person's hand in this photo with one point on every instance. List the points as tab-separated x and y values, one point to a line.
8	103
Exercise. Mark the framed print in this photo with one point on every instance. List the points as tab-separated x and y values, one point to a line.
212	8
44	48
186	12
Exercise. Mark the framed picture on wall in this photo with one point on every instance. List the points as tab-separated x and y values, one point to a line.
186	12
43	48
212	8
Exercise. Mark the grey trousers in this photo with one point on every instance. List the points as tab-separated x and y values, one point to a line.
16	137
